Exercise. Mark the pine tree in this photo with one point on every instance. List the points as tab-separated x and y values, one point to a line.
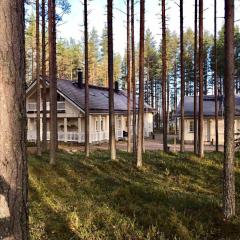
52	79
164	78
229	207
141	86
44	90
195	79
13	162
87	150
200	67
39	152
112	139
182	78
128	79
215	75
133	79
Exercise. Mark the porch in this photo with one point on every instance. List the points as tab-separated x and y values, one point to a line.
73	129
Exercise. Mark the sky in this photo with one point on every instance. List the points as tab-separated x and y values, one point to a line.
72	26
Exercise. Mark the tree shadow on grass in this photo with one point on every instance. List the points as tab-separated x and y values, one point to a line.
141	197
47	223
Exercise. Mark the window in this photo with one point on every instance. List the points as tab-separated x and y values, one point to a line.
102	125
191	126
119	123
97	127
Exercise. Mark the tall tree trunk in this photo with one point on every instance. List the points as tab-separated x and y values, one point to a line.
175	104
182	78
133	79
152	93
200	120
168	103
38	95
128	79
164	77
195	80
229	116
13	162
53	79
141	86
112	139
87	149
44	91
215	75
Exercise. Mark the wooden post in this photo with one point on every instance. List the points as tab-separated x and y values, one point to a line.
65	130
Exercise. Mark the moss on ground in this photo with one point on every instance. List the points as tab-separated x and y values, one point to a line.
172	197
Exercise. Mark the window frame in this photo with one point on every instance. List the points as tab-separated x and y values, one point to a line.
191	126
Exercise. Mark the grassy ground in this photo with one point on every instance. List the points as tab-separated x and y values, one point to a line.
172	197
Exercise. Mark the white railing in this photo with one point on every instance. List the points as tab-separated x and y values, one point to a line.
80	137
98	136
32	107
119	133
72	136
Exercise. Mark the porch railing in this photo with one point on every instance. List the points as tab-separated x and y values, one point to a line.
77	137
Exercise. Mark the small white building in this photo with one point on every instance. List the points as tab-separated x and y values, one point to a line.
209	118
70	112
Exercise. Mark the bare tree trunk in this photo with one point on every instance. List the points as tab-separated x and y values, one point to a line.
200	120
195	80
32	60
128	79
112	138
44	92
53	79
87	149
39	152
168	103
229	207
141	86
133	80
13	162
215	75
175	104
164	77
182	78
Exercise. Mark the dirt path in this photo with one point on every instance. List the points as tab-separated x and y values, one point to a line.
151	145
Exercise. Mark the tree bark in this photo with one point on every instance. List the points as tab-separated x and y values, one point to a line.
141	86
128	79
44	91
87	148
112	138
52	79
200	120
13	162
215	75
164	77
38	95
182	78
175	104
229	113
195	80
133	79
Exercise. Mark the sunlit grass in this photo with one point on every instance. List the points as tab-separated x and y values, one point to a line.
172	197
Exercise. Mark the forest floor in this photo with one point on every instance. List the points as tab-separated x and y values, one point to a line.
174	196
